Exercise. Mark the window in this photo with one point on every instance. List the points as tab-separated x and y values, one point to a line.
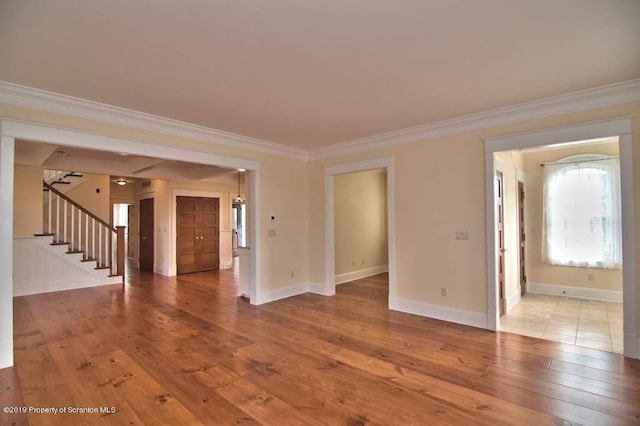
581	218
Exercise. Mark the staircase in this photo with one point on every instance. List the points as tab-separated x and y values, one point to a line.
76	232
62	180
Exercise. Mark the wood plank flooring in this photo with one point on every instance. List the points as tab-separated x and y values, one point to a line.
186	351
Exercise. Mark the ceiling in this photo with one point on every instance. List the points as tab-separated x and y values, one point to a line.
127	167
309	74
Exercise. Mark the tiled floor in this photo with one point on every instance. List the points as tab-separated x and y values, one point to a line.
592	324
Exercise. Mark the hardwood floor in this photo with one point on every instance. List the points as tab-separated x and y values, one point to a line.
185	350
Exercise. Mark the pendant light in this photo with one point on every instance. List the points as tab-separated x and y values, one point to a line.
239	199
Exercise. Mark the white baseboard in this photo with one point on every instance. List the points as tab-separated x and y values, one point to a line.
445	313
631	346
362	273
513	300
50	287
226	263
570	291
281	293
6	351
321	289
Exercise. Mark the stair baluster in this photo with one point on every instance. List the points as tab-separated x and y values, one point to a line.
99	242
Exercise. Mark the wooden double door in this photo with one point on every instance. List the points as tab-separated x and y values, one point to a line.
197	234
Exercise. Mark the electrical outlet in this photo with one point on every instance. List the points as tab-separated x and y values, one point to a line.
590	276
363	261
462	235
443	292
353	263
292	274
272	232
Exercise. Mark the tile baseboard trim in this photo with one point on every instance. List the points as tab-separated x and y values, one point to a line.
578	292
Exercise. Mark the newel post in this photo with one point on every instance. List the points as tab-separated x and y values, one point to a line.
120	251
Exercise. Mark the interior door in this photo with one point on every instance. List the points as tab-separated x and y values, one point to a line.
500	230
186	234
197	234
521	239
146	226
208	256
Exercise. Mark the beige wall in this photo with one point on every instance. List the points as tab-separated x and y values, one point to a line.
439	188
284	194
27	201
122	193
537	270
510	163
98	203
360	221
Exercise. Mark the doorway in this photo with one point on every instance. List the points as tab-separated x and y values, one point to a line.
121	216
331	172
620	128
147	226
197	234
238	217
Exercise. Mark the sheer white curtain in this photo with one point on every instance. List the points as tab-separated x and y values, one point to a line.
581	212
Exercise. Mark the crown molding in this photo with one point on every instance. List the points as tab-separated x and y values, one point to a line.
15	94
612	94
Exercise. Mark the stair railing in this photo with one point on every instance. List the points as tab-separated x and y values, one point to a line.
70	223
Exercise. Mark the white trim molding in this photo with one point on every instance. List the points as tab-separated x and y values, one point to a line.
7	146
15	94
317	288
578	292
614	127
329	230
612	94
439	312
361	273
281	293
82	139
513	299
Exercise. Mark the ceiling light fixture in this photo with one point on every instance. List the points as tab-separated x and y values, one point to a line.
121	182
239	199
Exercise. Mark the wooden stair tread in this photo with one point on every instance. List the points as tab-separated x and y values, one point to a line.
43	235
59	243
89	259
102	267
114	275
74	251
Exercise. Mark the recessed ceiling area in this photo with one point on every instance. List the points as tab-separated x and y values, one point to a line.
128	167
309	74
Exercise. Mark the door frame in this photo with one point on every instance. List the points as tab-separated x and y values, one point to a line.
620	127
146	196
522	230
329	288
500	251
